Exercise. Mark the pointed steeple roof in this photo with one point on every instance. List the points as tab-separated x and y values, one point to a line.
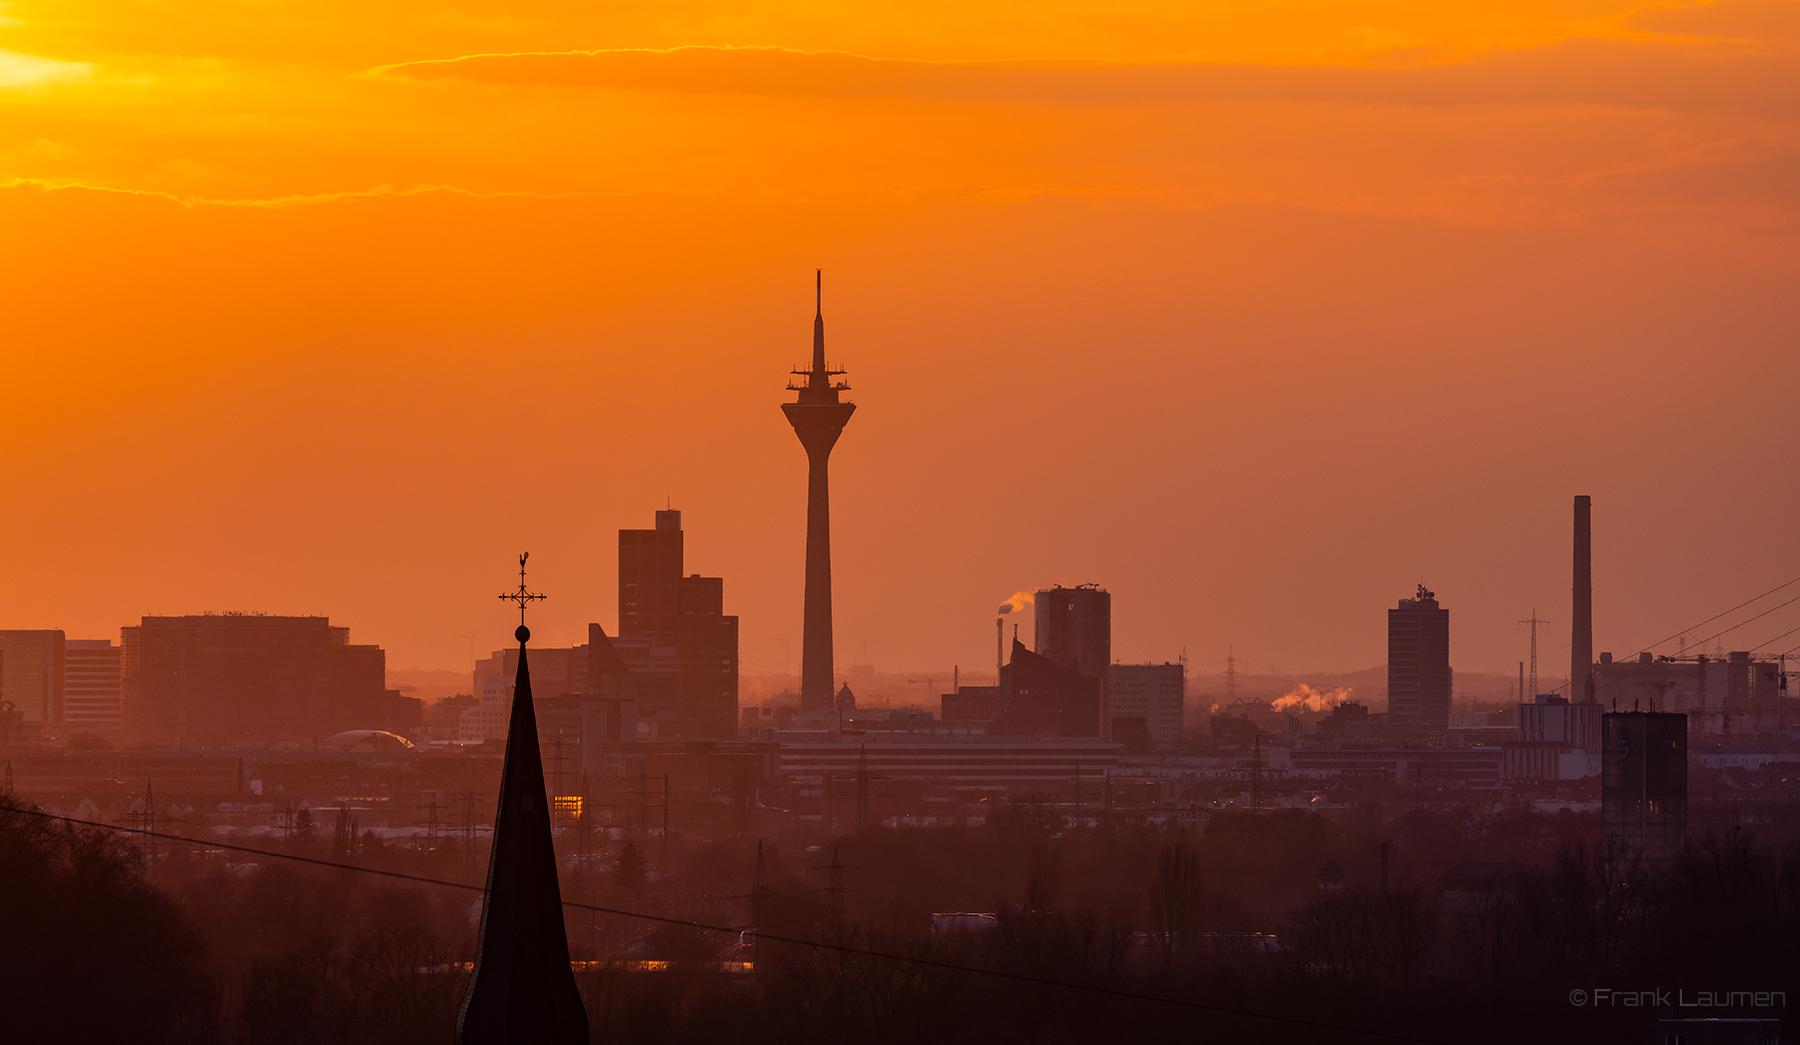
522	989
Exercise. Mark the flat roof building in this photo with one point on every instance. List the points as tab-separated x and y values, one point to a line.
91	685
1419	680
31	674
218	680
1149	696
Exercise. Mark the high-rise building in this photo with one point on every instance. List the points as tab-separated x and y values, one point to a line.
650	564
1146	700
660	610
1419	679
818	415
1643	782
1074	632
31	674
214	680
91	684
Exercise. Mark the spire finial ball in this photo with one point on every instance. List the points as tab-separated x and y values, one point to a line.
522	633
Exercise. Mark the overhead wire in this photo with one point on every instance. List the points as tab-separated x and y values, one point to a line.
864	952
1716	616
1747	620
1774	640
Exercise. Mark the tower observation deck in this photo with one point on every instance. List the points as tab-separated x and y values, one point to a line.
818	415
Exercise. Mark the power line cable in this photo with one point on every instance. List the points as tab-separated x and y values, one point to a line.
1739	624
793	941
1716	616
1774	640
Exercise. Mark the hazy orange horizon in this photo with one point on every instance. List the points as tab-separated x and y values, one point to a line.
1256	317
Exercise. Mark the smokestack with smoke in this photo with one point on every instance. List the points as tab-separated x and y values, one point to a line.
1311	699
1016	604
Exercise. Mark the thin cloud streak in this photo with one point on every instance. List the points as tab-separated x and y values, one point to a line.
1654	75
28	72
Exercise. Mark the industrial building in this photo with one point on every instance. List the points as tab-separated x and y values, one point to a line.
1556	740
971	706
1731	694
1039	698
969	766
1478	766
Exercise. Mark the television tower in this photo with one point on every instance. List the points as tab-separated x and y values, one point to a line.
818	416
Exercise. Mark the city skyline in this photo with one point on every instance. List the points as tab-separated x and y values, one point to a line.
1314	560
1388	288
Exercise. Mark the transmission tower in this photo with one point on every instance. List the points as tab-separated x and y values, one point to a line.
468	835
759	890
1534	622
431	822
862	789
834	887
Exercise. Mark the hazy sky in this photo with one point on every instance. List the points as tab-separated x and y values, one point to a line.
1255	314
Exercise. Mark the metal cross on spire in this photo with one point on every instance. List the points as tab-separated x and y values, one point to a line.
523	597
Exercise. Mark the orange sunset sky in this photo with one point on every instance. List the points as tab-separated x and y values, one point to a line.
1253	313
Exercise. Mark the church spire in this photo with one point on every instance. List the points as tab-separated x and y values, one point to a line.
522	988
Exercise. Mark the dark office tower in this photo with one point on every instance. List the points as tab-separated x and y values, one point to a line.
1074	632
660	606
1419	661
818	416
1643	782
244	678
1581	639
650	577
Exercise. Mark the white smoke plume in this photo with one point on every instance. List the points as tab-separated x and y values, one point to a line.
1311	699
1016	604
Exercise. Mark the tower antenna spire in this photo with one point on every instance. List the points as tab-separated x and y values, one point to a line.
818	415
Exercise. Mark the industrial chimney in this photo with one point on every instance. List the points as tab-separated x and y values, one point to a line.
1581	641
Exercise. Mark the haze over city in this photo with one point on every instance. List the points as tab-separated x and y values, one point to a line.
1291	535
1256	317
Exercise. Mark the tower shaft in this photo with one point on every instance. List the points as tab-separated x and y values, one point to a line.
816	672
818	417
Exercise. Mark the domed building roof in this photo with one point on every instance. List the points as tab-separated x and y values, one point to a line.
367	740
846	700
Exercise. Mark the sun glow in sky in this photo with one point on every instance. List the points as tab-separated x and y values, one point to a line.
1252	313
